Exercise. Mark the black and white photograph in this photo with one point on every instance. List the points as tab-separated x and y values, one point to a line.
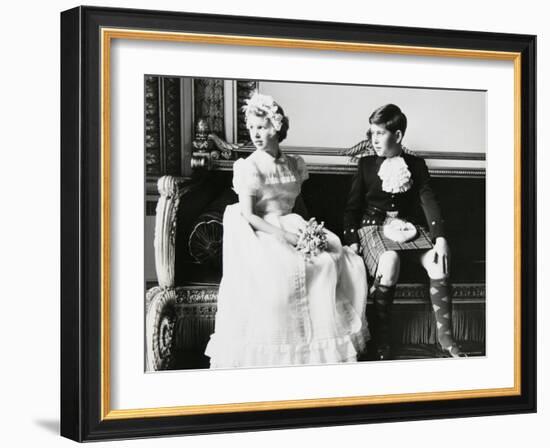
293	223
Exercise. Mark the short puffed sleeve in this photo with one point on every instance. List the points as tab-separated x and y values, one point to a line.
246	179
301	168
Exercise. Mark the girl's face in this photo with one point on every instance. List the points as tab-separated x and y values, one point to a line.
262	133
385	142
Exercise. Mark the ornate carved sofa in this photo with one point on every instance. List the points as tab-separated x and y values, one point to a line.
180	311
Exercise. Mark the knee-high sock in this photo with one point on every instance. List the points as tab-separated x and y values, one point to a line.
440	294
383	300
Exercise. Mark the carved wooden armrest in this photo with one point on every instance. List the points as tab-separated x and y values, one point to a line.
170	191
174	190
160	318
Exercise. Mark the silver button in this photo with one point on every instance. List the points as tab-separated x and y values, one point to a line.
352	230
433	223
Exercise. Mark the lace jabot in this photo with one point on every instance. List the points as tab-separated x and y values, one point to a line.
395	175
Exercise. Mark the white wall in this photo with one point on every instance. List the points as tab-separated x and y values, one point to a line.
337	116
30	229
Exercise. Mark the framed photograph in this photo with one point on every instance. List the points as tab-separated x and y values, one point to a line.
276	224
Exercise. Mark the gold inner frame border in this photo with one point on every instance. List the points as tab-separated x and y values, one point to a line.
107	35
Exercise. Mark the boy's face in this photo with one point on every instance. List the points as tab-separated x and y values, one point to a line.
385	142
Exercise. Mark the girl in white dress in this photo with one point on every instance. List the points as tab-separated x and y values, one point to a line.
274	306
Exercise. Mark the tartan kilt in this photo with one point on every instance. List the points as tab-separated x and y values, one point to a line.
374	243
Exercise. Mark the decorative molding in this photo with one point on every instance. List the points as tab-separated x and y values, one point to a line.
325	168
417	293
204	310
478	173
466	292
327	151
451	155
405	294
194	295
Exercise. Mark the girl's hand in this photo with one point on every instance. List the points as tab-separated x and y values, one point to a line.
442	254
290	238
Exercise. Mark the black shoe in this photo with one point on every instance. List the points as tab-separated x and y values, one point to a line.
384	352
452	351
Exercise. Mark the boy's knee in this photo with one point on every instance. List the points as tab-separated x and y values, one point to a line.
390	259
437	275
388	268
435	271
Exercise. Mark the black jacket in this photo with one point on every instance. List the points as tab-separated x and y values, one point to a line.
367	202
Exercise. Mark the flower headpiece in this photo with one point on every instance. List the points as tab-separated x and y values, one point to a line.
264	106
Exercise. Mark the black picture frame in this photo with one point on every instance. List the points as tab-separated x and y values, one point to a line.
83	409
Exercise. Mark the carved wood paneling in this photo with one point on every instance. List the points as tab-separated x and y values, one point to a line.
152	126
162	126
172	125
244	91
208	94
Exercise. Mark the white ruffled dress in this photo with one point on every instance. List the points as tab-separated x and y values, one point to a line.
274	307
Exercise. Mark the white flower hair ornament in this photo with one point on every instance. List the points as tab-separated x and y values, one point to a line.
264	106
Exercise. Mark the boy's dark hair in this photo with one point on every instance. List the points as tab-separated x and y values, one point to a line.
391	117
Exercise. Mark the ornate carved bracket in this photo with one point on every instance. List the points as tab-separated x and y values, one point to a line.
165	229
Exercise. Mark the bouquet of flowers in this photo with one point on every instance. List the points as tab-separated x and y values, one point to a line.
312	240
